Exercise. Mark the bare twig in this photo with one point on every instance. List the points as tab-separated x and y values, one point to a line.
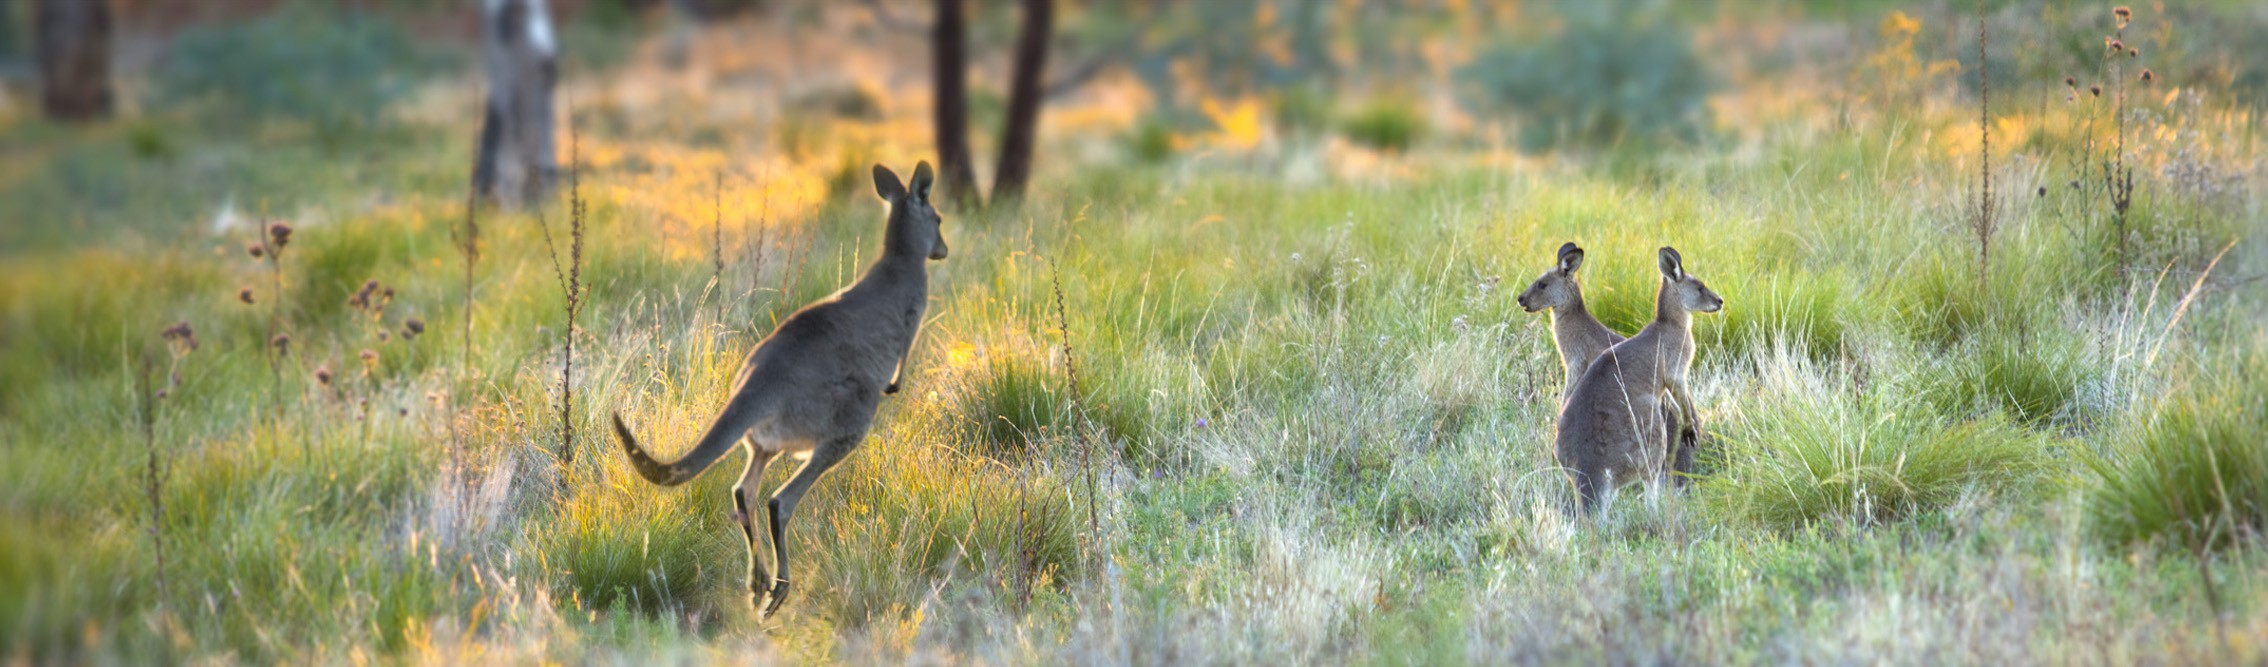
2183	307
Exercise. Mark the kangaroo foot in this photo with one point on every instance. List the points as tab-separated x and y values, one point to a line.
779	595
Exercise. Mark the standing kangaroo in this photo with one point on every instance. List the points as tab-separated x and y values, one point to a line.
1579	336
1620	396
813	385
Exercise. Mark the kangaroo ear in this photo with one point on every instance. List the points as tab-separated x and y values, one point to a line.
922	178
1570	258
886	184
1673	266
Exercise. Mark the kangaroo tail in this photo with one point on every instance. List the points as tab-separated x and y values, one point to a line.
713	446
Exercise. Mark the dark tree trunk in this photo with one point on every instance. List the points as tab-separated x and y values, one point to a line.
73	49
1026	85
518	163
950	57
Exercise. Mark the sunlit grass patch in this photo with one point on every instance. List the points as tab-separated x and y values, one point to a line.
2191	467
905	515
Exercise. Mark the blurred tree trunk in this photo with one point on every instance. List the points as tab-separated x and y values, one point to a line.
518	163
1026	85
950	57
73	49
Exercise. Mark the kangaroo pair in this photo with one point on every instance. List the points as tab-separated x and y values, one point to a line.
813	385
1616	387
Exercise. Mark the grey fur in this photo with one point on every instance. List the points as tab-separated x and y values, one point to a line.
814	384
1621	394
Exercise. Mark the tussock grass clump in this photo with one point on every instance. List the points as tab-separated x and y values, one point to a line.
2191	468
1010	401
904	514
1385	124
2032	379
623	547
1821	450
1808	311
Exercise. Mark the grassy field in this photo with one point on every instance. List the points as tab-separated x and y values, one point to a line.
1311	424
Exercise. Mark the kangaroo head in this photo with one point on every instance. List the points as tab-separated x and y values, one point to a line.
1683	289
915	227
1557	286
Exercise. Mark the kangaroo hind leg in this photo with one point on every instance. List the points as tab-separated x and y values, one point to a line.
744	513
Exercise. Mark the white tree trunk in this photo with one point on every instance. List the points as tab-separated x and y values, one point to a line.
518	163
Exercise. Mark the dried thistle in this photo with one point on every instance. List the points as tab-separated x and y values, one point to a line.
255	250
412	328
2149	77
282	343
182	337
2071	81
2117	45
244	294
2123	14
279	234
2096	90
323	375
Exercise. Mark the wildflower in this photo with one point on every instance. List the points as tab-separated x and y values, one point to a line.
1201	423
2117	45
2096	90
2132	52
2043	190
181	335
412	328
369	360
323	375
401	412
2124	15
2149	76
255	250
382	336
282	343
280	234
2071	82
244	294
2074	184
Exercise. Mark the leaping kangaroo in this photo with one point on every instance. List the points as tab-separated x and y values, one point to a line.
814	383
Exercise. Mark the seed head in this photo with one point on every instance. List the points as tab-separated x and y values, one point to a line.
2043	190
2123	14
382	336
282	343
2117	45
2071	82
369	360
2096	90
279	233
255	250
323	375
2132	52
181	335
244	294
412	328
2149	76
